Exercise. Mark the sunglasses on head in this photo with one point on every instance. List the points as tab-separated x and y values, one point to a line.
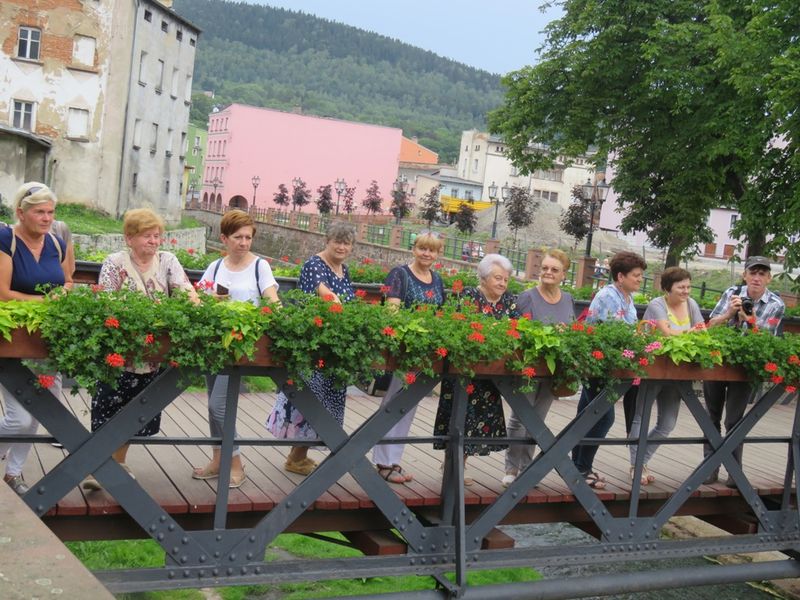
433	234
31	191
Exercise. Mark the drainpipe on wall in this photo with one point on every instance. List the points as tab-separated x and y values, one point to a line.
125	127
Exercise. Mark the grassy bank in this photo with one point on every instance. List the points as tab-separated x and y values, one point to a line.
146	553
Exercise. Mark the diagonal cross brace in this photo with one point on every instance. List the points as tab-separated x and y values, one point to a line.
347	454
92	453
554	454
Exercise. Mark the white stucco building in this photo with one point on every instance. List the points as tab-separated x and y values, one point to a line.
94	100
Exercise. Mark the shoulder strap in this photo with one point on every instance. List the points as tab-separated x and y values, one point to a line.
404	279
13	243
216	268
58	247
258	285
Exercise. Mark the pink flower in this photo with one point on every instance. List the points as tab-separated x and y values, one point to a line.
173	241
320	363
652	346
637	381
628	353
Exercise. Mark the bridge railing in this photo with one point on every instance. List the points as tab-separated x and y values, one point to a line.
447	540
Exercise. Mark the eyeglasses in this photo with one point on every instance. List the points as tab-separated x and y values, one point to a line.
550	269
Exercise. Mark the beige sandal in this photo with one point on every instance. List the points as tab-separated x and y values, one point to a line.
301	467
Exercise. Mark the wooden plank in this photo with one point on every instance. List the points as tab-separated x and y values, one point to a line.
376	543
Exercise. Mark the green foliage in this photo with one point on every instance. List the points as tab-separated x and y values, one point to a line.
430	206
17	313
575	220
465	218
519	208
254	55
373	200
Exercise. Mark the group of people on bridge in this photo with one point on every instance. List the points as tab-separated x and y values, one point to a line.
33	259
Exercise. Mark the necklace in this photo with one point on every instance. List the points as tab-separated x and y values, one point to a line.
550	296
336	268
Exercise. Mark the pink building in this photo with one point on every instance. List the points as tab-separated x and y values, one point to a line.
245	142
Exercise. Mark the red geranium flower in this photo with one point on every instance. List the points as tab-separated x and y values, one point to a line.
297	261
513	333
114	360
527	315
776	379
459	317
441	351
149	339
438	314
335	308
285	258
438	265
458	286
411	377
173	241
476	337
290	382
112	322
328	297
794	359
46	381
318	321
174	364
320	363
529	372
513	323
598	355
475	326
470	388
589	330
389	331
791	389
361	293
644	362
578	326
190	250
266	310
96	288
237	335
770	367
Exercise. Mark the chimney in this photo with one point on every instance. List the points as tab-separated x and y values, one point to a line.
165	3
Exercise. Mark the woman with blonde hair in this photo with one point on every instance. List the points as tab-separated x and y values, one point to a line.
32	259
145	269
547	303
414	283
240	276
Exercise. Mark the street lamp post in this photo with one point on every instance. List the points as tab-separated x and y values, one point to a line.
493	198
340	187
215	183
256	180
595	193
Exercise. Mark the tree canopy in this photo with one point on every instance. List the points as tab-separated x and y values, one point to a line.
685	97
373	200
430	206
465	218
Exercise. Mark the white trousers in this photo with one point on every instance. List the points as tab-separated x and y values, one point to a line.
391	454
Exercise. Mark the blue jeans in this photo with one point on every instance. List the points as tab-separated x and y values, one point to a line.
583	455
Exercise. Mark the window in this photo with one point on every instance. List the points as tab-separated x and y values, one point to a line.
160	76
29	41
475	165
478	148
178	35
142	66
78	123
183	144
148	16
734	218
187	92
166	186
545	195
549	174
192	42
454	192
135	180
23	115
154	138
196	147
174	87
468	195
164	26
83	48
137	134
170	140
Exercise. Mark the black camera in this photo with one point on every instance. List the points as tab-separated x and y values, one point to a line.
747	303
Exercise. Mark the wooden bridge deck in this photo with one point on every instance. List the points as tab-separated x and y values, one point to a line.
165	473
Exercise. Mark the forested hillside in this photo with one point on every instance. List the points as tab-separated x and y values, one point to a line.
282	59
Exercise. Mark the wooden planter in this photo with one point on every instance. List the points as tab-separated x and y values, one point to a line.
23	345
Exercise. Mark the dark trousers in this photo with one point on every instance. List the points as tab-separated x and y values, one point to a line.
732	396
583	455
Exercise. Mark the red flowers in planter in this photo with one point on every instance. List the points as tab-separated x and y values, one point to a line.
335	308
410	377
318	321
149	339
770	367
597	354
529	372
46	381
470	388
441	351
115	360
112	322
458	286
476	337
361	293
389	331
266	310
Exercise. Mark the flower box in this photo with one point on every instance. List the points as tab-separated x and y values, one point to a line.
23	345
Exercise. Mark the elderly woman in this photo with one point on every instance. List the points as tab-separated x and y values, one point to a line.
547	303
32	259
673	313
326	275
408	285
244	277
145	269
484	404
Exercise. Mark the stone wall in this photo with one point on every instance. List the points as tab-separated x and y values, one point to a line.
112	242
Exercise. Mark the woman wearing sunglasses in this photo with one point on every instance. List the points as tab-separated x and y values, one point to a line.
414	283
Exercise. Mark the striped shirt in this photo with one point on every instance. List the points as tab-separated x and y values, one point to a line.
768	310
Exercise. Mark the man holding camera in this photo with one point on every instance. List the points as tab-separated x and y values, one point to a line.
749	304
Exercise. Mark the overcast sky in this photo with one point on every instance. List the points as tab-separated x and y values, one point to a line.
499	36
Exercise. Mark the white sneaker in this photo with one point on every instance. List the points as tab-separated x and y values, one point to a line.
508	479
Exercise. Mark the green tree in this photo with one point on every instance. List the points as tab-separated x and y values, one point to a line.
519	207
324	199
202	105
373	200
465	218
575	220
659	86
281	198
401	205
430	206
